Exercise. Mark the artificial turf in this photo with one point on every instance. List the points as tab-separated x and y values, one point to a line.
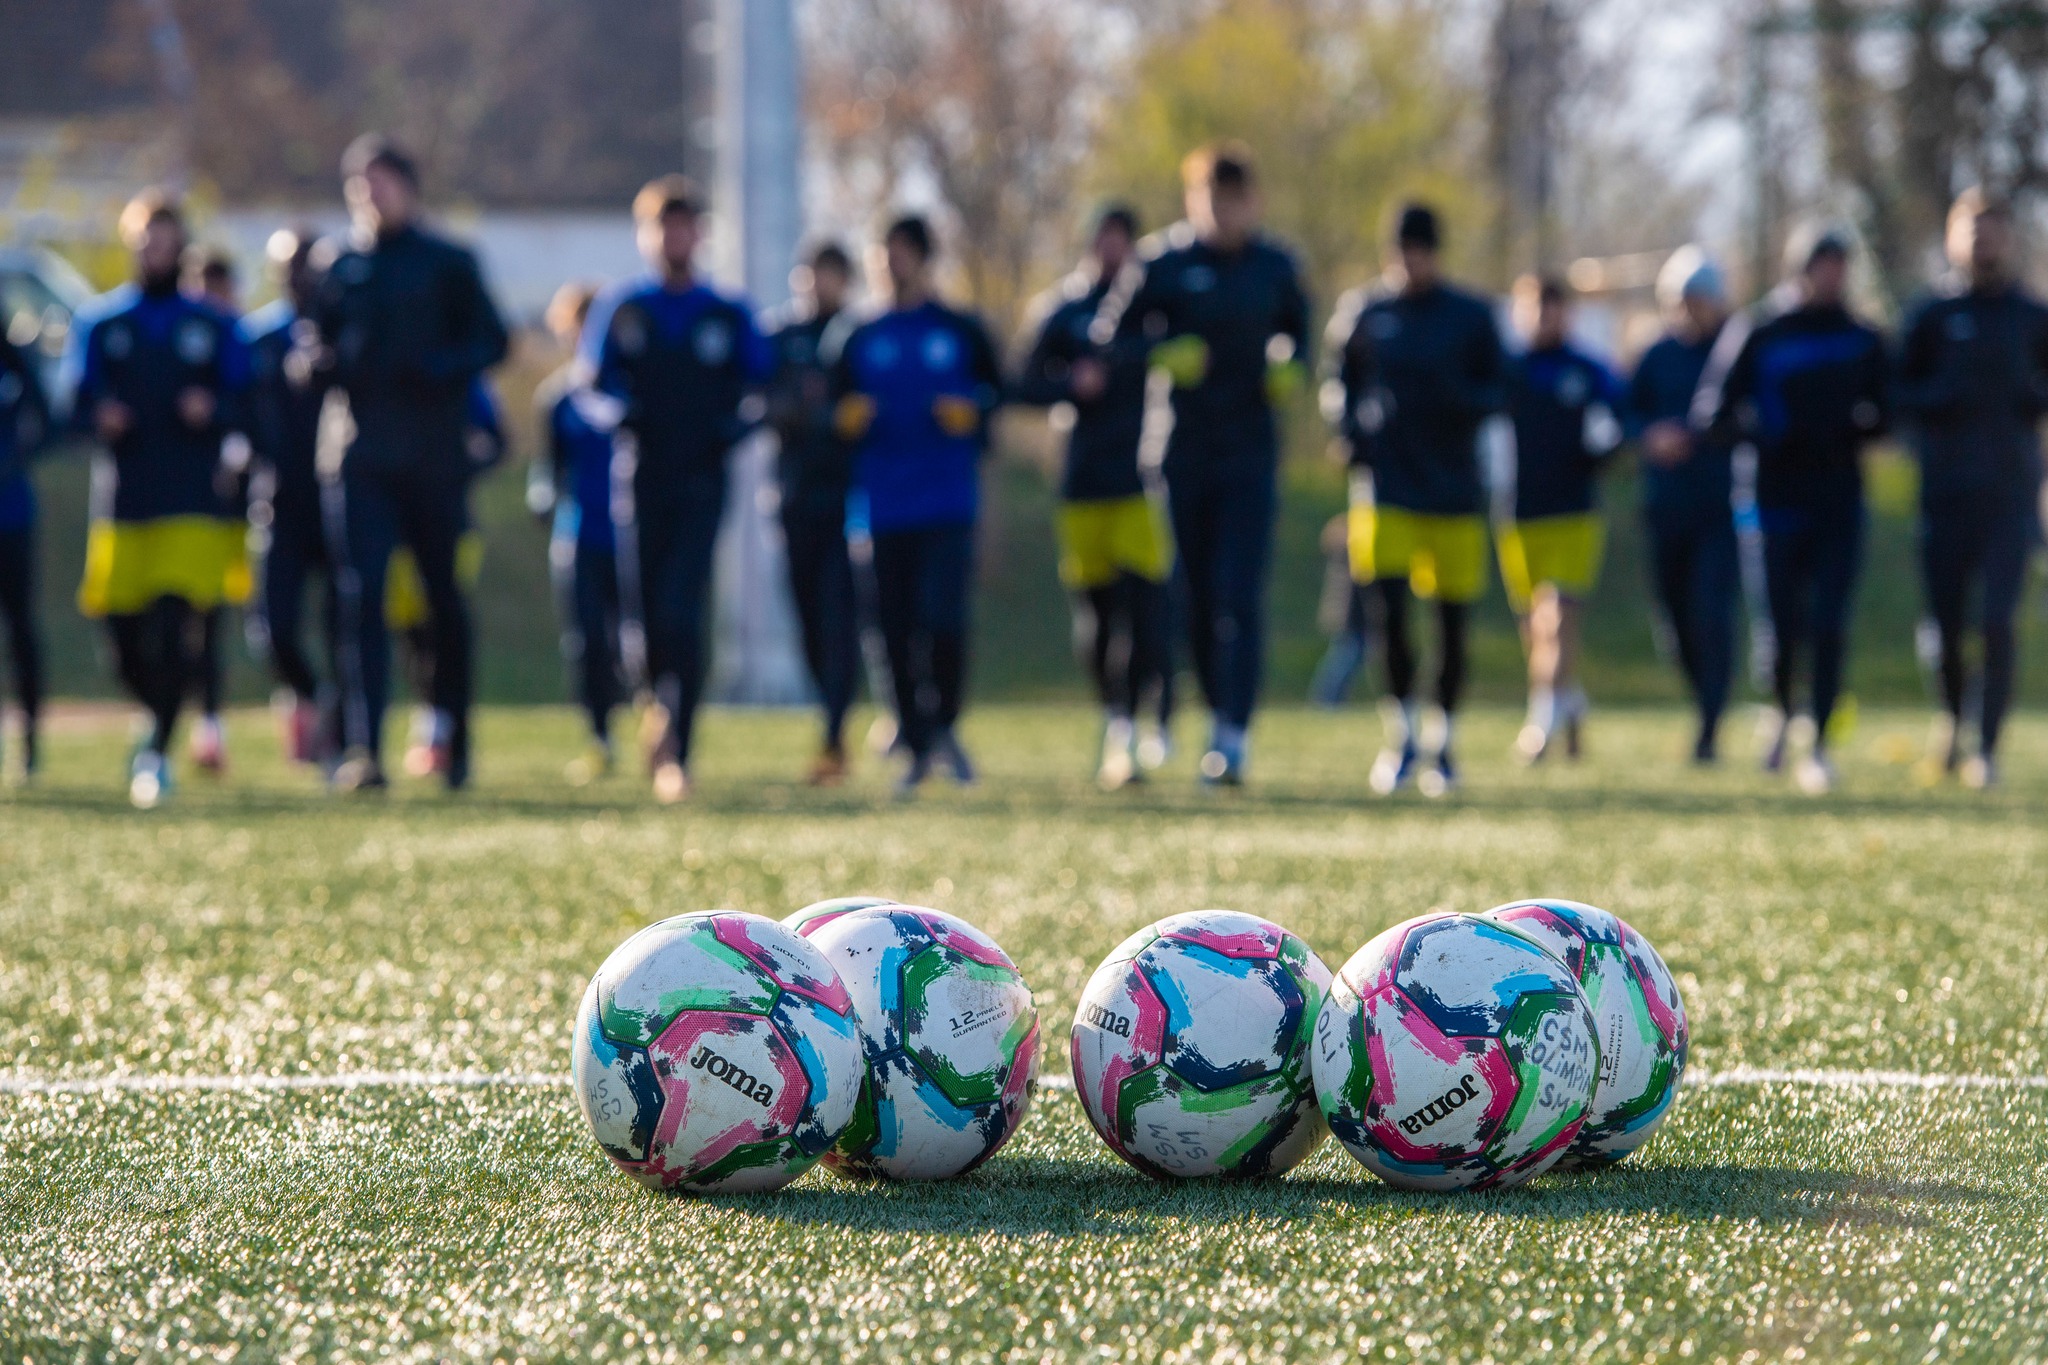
258	927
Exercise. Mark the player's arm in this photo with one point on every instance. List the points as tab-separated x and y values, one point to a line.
969	414
477	337
1601	431
1045	378
1480	389
2034	360
484	429
1351	400
1727	400
853	409
1927	388
1873	411
1289	351
546	472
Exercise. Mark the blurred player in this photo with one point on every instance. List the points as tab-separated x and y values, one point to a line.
1562	403
914	389
1416	369
1973	382
1116	553
682	362
24	427
285	400
1688	488
210	275
569	484
1221	307
1809	388
815	474
160	380
405	328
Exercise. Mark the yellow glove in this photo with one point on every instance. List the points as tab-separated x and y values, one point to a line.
1185	359
854	415
955	415
1285	380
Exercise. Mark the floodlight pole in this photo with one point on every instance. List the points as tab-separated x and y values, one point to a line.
760	146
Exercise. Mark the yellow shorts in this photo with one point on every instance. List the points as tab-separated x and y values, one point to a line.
405	596
1442	557
1564	552
130	564
1101	539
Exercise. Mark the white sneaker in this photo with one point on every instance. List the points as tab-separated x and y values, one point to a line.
1979	773
1770	738
1814	775
1118	767
1155	747
148	780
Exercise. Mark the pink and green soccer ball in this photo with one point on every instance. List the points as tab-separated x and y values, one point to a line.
716	1052
1453	1053
1190	1047
949	1035
1637	1011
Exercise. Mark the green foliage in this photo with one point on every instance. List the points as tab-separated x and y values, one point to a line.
1351	108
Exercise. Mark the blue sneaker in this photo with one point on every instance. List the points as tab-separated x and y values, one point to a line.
1223	765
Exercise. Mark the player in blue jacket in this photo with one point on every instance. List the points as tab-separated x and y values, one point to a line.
914	389
1688	489
161	382
1973	384
569	486
285	401
24	427
1221	306
682	362
1810	388
1116	553
1563	404
1415	368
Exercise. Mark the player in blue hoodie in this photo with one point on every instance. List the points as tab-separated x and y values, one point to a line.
160	383
913	391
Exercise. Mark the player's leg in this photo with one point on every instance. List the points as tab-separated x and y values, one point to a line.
209	738
1948	559
1192	504
2008	546
281	611
695	553
1396	761
24	642
362	526
1714	588
1786	588
945	611
1239	568
434	524
1838	559
821	586
898	569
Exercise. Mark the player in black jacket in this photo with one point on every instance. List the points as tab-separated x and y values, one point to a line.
816	468
1116	553
404	328
24	427
1973	384
1810	388
1221	307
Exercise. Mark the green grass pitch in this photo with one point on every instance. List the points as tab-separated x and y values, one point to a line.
257	927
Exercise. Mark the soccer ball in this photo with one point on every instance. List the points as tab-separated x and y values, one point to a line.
1637	1011
819	911
949	1033
1190	1047
716	1052
1454	1053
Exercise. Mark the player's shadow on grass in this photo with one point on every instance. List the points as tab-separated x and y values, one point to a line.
1027	1196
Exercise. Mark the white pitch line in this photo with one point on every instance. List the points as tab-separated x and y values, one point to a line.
260	1083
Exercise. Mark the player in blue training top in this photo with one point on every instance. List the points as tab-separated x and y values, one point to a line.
1221	306
403	330
569	486
1688	489
1811	388
815	468
1973	383
284	404
24	428
684	364
1415	368
1562	404
914	389
1116	553
161	383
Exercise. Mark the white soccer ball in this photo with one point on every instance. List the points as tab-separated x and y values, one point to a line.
1190	1047
716	1052
949	1033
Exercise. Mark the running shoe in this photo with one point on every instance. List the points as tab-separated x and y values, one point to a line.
1119	767
671	782
209	746
1155	747
1979	772
358	771
1439	776
947	749
149	779
593	764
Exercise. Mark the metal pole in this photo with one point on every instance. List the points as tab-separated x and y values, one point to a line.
758	658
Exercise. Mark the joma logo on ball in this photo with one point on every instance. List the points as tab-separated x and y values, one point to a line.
1098	1017
718	1068
1441	1106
